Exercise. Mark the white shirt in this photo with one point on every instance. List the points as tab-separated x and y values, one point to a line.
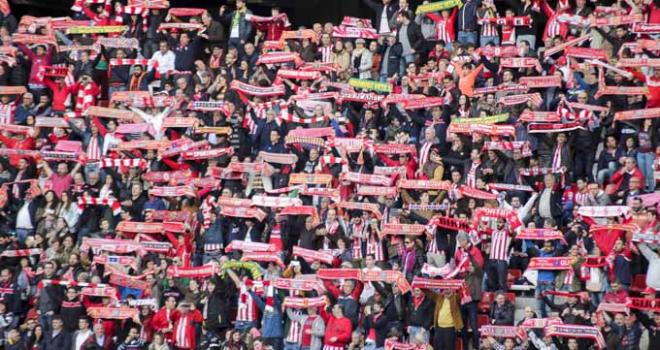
544	203
23	217
80	339
369	289
165	61
384	25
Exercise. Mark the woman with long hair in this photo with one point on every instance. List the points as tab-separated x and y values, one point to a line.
47	211
68	210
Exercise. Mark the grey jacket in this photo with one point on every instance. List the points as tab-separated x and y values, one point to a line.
318	328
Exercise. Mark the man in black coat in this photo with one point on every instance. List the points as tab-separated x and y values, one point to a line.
391	52
57	338
409	35
385	12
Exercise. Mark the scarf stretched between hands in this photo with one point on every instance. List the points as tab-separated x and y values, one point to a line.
21	252
263	257
552	263
151	227
313	255
540	234
114	313
638	114
304	303
403	229
192	272
576	331
114	204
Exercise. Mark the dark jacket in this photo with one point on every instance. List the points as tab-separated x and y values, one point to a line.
244	26
392	57
184	57
467	16
422	315
502	315
61	341
415	37
392	8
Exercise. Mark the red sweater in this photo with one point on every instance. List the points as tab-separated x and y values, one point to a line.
25	144
60	94
339	328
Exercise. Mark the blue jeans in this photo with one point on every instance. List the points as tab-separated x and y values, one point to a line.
605	174
244	326
484	40
645	164
501	268
540	288
469	312
22	234
468	37
291	346
405	61
46	322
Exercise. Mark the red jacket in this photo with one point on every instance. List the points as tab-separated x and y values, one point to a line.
273	29
617	178
340	328
473	251
160	322
24	144
184	329
60	94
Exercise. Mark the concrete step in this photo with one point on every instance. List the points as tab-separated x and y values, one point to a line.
522	302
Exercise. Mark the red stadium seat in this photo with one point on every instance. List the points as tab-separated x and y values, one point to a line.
486	299
482	320
639	283
512	276
511	297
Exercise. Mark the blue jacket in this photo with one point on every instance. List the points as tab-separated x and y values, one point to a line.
271	321
244	26
544	275
467	16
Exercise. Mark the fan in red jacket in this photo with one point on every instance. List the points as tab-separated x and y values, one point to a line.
621	179
184	327
337	330
165	319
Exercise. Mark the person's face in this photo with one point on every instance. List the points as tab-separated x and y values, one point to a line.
28	99
455	177
409	243
170	303
369	261
49	269
619	319
274	137
83	324
136	190
336	311
549	181
57	324
62	169
500	299
348	287
629	164
5	276
464	243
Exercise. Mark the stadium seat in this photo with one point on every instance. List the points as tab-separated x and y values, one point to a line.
638	284
486	299
459	343
511	297
482	320
513	276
